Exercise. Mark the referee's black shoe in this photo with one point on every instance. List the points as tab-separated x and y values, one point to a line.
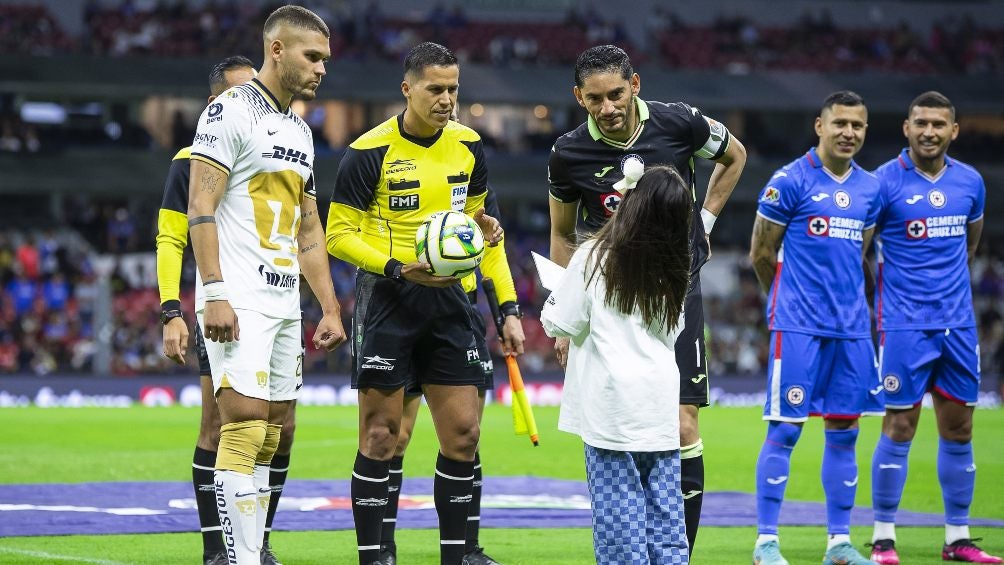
218	558
478	557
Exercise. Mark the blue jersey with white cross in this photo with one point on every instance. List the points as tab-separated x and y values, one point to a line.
921	234
818	287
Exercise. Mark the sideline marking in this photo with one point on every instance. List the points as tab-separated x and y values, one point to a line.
56	557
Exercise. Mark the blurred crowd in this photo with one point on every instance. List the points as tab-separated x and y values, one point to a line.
52	310
47	302
734	43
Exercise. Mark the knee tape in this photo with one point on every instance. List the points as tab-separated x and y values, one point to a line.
240	443
269	446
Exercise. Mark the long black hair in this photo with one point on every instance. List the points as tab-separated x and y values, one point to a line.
643	252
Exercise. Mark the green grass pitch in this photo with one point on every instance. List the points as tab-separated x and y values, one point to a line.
92	444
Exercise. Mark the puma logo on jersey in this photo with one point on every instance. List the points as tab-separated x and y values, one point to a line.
820	197
602	172
914	199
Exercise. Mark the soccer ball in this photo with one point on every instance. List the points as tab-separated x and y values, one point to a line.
451	242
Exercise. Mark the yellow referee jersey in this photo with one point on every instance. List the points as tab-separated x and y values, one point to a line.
389	182
172	227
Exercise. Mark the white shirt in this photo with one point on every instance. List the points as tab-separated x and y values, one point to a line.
268	155
622	384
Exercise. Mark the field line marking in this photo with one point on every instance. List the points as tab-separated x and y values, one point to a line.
55	557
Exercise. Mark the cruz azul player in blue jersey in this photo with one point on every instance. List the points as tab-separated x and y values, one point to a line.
928	227
815	218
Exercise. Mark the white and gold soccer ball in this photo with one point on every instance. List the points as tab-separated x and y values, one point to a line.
451	242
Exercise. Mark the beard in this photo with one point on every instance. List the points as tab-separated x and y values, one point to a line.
291	82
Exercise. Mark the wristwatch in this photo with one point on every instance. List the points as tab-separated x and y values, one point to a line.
168	315
511	308
396	273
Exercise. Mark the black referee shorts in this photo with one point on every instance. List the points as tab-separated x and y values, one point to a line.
409	335
691	355
415	389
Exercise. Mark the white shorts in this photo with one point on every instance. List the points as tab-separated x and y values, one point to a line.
266	363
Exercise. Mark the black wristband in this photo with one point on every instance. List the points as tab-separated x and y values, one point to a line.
511	308
392	270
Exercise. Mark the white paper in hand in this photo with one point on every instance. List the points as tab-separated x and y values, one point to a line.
550	273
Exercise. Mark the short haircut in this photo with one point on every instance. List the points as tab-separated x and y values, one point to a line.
932	99
602	59
842	98
217	76
428	54
296	16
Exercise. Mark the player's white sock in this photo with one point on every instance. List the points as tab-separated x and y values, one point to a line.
955	533
833	540
764	538
237	501
261	477
884	530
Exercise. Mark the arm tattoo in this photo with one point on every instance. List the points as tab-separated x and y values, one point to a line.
210	179
201	220
308	248
309	213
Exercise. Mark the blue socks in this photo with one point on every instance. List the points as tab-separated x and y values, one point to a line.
957	475
889	465
772	467
840	479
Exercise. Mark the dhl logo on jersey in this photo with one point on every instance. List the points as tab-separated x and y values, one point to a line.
292	155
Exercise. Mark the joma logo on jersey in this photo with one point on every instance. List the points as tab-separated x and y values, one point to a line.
405	202
277	280
400	166
284	154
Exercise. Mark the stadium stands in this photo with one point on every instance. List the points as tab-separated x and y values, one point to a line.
733	43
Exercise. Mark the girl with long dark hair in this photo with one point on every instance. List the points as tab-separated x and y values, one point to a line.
621	304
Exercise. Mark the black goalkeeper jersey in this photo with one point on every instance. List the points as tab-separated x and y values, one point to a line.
584	165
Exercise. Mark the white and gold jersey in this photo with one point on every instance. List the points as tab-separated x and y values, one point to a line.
268	155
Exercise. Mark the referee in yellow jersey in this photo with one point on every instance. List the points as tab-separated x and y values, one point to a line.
410	326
